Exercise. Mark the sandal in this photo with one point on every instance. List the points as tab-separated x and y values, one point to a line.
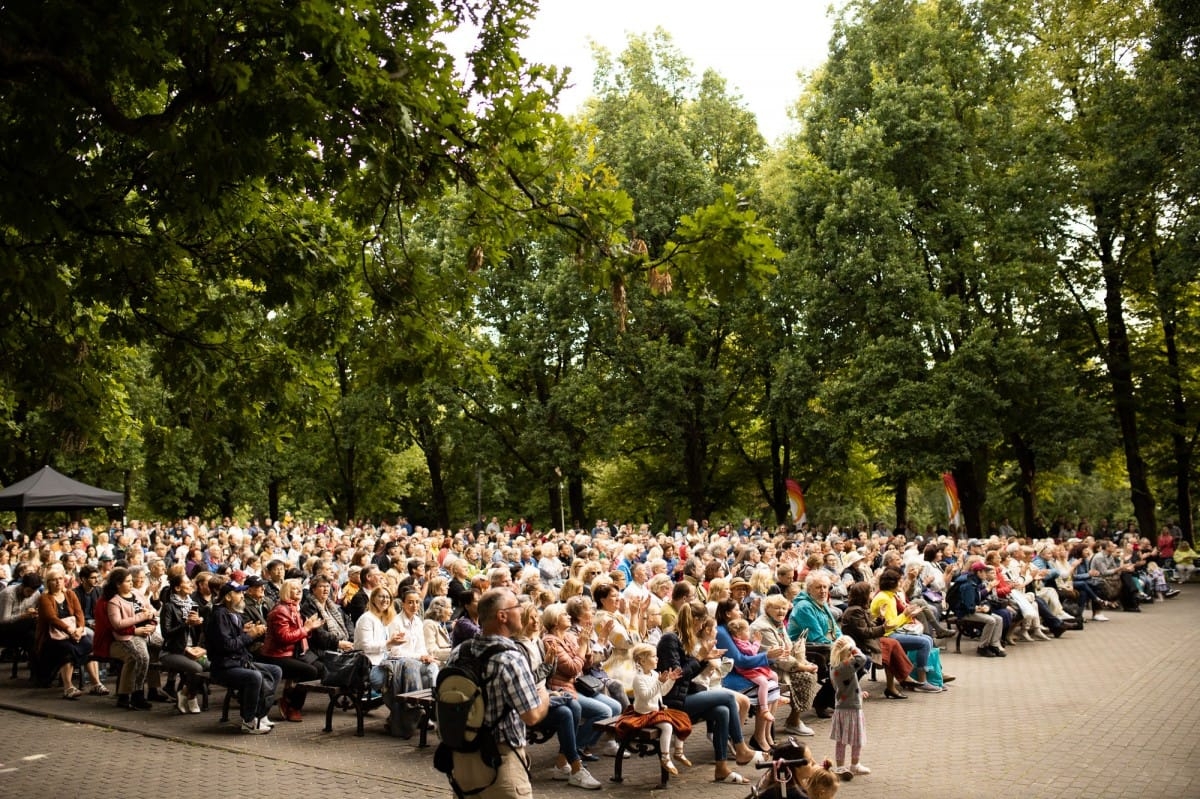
754	759
733	778
99	689
72	693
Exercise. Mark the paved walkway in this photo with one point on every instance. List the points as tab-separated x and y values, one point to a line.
1107	712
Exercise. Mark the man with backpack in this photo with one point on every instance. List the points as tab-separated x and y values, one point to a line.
968	601
512	697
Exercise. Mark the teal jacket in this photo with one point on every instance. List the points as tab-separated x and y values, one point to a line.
816	619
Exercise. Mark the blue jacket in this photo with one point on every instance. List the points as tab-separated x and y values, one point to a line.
970	593
807	615
734	681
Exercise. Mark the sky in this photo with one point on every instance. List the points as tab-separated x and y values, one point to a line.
758	46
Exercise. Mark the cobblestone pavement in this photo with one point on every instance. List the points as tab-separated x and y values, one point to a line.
1107	712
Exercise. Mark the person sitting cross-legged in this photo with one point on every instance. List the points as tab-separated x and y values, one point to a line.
227	642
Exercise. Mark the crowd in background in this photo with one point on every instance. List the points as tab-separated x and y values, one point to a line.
757	607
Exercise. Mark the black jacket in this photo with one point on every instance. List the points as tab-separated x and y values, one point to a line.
226	642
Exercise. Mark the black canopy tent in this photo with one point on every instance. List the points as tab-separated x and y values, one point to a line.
47	489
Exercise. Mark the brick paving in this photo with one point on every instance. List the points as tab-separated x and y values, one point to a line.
1107	712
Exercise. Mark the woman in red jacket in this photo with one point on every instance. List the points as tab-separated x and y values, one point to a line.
286	646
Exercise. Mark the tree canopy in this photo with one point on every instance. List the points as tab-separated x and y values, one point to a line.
307	256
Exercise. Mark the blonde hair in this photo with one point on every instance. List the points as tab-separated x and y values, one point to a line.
738	627
642	651
291	589
841	651
822	783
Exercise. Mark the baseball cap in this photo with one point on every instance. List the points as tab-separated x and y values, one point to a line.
254	581
978	566
229	588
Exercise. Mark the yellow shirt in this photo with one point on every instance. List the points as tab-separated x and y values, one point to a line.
884	605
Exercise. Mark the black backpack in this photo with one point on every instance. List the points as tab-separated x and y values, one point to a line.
460	700
954	596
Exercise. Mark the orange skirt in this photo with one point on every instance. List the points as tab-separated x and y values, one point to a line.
631	721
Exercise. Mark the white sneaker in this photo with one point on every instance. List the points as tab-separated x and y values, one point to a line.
563	773
181	702
266	723
800	728
1099	617
193	705
583	779
253	728
610	749
859	769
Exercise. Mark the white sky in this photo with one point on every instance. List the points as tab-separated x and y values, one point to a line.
759	46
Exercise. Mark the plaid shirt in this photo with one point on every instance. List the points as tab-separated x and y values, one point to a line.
511	689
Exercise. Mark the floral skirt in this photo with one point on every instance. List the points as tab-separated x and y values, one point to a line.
849	728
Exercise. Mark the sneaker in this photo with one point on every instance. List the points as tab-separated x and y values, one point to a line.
583	779
1099	617
563	773
927	688
859	769
266	723
611	748
799	728
193	705
253	728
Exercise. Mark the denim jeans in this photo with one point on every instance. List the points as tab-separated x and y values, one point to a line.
256	684
564	717
917	644
594	708
719	709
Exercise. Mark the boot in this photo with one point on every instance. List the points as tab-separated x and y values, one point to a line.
137	701
288	712
123	701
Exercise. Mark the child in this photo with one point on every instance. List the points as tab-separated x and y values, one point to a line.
849	727
761	676
647	709
654	630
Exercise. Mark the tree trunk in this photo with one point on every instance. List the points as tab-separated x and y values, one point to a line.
575	500
1026	486
1182	445
971	479
901	495
438	501
1120	373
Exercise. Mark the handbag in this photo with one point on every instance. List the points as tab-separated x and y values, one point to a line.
343	669
932	597
587	685
60	635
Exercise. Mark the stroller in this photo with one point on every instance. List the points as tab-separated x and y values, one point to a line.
780	779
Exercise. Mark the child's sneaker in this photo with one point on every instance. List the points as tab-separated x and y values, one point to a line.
859	769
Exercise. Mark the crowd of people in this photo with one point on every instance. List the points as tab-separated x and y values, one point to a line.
700	624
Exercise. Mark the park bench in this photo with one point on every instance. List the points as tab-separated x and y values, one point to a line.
643	742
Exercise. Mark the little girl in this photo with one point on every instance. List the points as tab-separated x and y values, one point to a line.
648	710
761	676
849	727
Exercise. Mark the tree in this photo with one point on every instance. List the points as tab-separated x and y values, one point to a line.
162	161
924	205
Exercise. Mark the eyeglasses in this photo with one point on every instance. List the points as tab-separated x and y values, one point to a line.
512	607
